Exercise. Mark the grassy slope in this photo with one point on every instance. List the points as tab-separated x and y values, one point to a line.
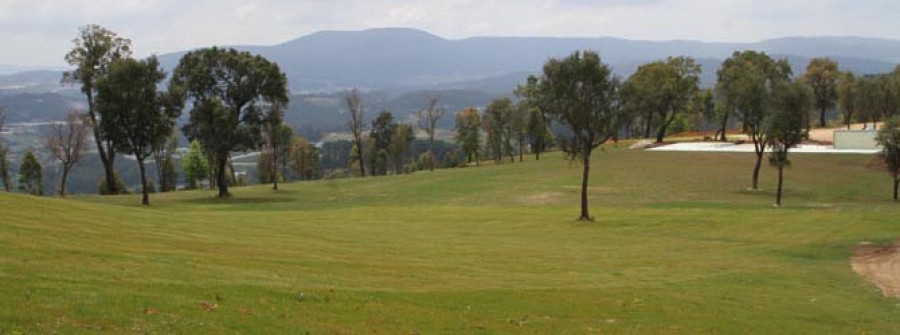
679	247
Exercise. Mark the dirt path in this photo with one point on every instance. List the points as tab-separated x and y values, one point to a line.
879	265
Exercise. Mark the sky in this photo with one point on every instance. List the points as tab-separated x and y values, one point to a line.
39	32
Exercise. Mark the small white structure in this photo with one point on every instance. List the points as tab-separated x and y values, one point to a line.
855	139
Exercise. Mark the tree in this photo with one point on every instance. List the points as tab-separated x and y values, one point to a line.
582	94
135	117
889	138
787	125
496	125
195	165
164	157
66	142
849	98
4	162
664	90
871	100
468	133
518	126
537	128
357	117
746	82
428	120
381	134
95	49
31	175
278	138
401	138
822	76
227	87
305	159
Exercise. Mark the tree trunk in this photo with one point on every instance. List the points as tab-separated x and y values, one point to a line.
221	180
822	118
585	211
359	155
649	126
660	135
521	150
780	184
105	159
62	183
275	170
725	128
759	157
145	193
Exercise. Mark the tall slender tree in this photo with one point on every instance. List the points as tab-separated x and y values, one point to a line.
468	133
354	105
428	120
402	137
787	125
277	140
229	88
747	81
95	48
582	94
67	141
495	124
164	159
134	116
848	96
822	76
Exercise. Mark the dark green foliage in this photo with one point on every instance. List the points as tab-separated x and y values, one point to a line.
228	88
31	175
134	117
581	93
662	90
889	138
468	134
746	83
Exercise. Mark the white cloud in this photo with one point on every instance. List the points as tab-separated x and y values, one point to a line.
38	32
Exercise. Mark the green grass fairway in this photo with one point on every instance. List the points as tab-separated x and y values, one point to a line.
680	246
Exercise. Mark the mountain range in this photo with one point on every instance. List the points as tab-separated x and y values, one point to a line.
399	60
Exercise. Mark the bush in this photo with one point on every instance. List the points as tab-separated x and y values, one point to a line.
102	189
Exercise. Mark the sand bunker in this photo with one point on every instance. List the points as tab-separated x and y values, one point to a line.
880	265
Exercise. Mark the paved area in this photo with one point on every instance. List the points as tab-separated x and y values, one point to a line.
731	147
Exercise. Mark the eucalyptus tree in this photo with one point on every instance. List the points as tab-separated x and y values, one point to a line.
849	96
95	48
537	127
747	83
468	133
135	117
663	89
582	94
401	138
495	123
822	76
228	88
277	141
792	103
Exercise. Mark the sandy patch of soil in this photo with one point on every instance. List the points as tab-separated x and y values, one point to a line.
880	265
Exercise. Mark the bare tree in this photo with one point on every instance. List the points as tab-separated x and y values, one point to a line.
354	106
66	142
428	120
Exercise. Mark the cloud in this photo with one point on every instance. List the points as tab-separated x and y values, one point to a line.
38	32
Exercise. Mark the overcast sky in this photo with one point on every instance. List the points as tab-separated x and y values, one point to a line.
38	32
